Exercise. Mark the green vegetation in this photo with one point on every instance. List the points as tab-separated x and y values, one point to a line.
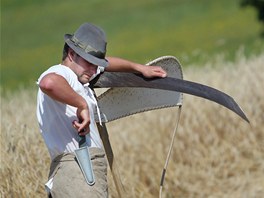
194	31
258	5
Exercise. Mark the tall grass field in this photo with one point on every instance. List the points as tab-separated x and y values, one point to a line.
216	153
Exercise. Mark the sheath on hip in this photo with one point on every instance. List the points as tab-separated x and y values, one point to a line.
68	179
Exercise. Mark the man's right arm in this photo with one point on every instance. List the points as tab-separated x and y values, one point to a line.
57	87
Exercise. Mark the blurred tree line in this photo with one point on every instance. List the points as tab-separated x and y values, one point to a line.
258	5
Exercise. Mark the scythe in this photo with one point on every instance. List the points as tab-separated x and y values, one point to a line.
132	93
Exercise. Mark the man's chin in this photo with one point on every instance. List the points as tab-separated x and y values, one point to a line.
84	80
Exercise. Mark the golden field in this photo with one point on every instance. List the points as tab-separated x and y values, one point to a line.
216	153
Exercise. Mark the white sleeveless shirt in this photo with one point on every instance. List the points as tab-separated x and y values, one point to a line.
55	118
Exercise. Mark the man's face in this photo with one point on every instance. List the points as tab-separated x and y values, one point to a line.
83	69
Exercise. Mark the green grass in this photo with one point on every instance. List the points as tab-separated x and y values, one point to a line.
194	31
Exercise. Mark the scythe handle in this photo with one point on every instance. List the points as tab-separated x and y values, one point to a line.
110	157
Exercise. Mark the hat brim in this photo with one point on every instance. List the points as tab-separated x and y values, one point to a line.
88	57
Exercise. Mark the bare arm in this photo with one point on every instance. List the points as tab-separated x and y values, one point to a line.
59	89
122	65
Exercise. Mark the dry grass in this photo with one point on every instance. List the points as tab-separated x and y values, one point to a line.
216	154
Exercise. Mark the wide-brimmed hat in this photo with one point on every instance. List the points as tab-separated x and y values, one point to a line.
89	41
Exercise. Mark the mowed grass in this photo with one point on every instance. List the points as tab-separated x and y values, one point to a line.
194	31
216	153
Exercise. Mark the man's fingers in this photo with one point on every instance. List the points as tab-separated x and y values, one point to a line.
154	71
160	71
75	124
82	128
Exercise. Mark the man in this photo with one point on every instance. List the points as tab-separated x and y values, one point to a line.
66	108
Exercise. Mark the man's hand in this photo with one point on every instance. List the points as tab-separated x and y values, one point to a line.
82	125
153	71
122	65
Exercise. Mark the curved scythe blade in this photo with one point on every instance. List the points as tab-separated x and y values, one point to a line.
118	79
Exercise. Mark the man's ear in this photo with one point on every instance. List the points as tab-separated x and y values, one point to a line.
71	54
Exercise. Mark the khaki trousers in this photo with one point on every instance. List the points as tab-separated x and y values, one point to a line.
69	182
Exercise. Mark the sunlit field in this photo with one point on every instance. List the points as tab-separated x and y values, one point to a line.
216	153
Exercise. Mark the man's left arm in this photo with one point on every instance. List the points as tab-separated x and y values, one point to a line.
121	65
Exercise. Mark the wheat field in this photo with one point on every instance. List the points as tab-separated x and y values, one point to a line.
216	153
